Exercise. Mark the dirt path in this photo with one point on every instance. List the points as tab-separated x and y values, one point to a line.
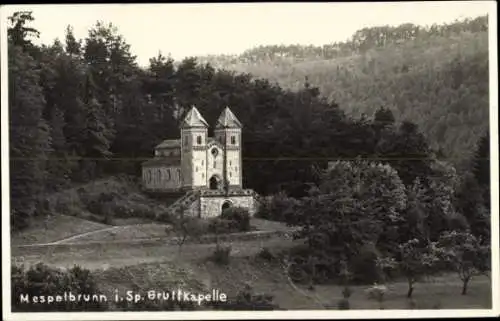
74	237
105	257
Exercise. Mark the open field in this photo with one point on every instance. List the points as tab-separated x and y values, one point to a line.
55	228
113	255
441	292
125	232
162	267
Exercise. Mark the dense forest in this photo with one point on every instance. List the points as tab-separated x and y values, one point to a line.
435	76
81	109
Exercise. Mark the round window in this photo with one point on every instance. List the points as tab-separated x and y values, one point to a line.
215	152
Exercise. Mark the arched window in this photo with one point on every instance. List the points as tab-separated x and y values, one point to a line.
202	162
185	140
196	169
159	175
233	140
198	140
215	164
179	174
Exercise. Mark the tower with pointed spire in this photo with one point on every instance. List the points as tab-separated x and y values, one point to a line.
194	129
228	133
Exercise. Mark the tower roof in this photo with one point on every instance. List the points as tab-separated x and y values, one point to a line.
194	119
228	120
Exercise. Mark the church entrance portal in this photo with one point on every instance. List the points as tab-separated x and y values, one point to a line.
214	182
226	205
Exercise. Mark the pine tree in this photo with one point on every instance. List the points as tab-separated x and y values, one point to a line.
481	166
29	136
59	165
73	47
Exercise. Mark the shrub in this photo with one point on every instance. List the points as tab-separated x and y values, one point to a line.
279	208
346	292
247	300
41	280
19	220
377	292
343	304
239	216
221	226
189	228
221	255
364	266
266	254
108	219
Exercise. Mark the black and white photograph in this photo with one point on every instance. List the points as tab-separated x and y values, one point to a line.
249	160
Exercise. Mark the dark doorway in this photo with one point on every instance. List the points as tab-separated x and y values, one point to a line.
214	182
226	205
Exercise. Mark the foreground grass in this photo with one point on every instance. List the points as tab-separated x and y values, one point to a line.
110	255
56	227
201	276
161	267
137	229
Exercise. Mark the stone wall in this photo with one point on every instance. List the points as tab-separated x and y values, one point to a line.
162	178
212	206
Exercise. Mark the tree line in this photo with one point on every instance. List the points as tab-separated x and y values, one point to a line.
437	77
80	109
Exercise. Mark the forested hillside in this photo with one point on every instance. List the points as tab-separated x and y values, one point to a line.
434	76
81	109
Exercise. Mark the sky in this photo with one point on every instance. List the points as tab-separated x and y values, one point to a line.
199	29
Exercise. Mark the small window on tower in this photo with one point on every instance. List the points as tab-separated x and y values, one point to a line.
198	140
215	164
233	140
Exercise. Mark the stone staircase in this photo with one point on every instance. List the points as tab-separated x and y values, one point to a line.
185	201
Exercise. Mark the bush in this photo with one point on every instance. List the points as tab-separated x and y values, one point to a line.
364	266
221	226
279	208
266	254
19	220
41	280
248	300
346	292
343	304
239	216
222	255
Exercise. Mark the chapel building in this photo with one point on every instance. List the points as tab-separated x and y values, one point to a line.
210	166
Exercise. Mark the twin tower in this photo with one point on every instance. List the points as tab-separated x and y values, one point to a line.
196	161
